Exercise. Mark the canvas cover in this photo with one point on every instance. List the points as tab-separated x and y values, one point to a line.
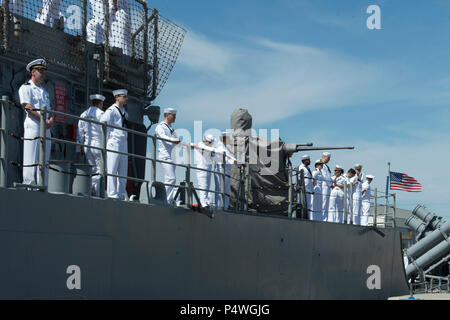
268	178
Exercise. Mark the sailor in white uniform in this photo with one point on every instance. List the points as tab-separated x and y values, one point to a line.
309	187
326	184
120	24
336	206
357	194
95	28
91	134
316	199
366	200
230	159
166	151
117	140
33	96
50	11
120	19
350	180
204	159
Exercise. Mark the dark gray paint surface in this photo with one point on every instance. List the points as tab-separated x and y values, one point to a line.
130	250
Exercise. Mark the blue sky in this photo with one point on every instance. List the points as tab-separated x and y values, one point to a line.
315	71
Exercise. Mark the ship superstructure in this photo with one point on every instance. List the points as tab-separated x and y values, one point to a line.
58	241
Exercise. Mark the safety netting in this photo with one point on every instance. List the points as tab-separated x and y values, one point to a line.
60	30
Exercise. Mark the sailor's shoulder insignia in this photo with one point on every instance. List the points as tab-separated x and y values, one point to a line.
26	83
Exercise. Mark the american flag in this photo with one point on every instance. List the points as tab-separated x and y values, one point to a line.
401	181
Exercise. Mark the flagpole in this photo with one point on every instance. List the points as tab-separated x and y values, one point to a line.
388	177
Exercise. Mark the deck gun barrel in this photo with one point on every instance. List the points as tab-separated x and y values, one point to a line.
292	148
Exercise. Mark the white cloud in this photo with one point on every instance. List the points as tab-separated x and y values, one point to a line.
277	80
198	53
273	80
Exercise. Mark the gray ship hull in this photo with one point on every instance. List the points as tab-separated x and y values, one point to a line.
135	251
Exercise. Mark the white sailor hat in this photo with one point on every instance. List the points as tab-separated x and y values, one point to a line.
306	157
358	166
338	167
120	91
37	64
97	97
170	111
319	161
326	154
210	138
369	176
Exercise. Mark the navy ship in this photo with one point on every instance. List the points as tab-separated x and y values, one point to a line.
59	242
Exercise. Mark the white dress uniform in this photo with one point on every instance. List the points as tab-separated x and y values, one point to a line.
166	153
91	134
365	204
51	10
349	204
229	161
357	199
95	28
316	201
309	187
120	35
336	206
326	190
38	97
204	159
116	140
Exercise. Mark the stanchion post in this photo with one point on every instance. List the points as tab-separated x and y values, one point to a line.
154	158
3	132
290	193
346	203
223	176
246	186
351	203
394	210
103	162
375	208
188	192
43	140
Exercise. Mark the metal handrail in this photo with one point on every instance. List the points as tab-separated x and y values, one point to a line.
43	138
3	149
347	189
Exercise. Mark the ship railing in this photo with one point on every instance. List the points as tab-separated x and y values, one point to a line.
3	139
430	284
427	282
299	206
384	208
190	190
